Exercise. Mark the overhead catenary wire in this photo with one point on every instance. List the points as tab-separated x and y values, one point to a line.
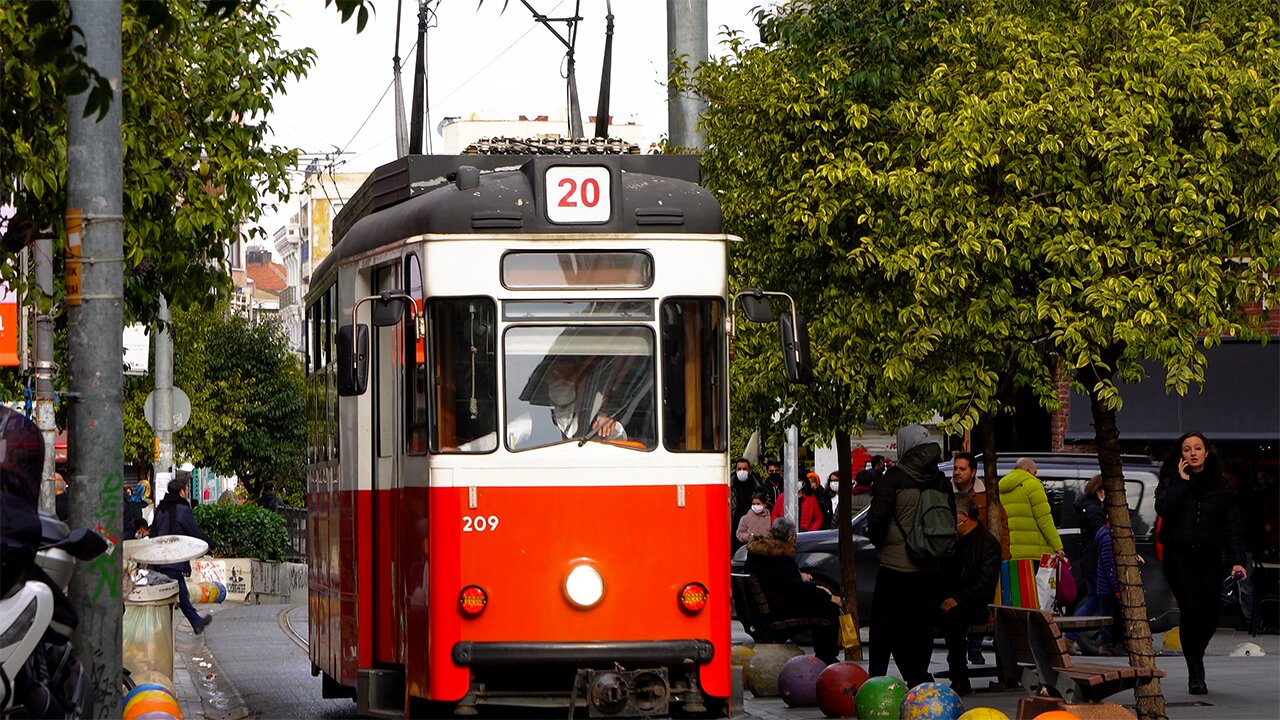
459	88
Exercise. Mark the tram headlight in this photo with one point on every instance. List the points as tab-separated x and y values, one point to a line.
472	601
693	597
584	586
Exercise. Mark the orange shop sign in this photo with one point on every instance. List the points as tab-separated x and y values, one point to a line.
8	327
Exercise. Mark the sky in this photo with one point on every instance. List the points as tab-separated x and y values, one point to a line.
482	59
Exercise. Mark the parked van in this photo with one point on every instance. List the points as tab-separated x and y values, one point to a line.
1064	476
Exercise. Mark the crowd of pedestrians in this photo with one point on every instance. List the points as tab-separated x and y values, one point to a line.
1209	520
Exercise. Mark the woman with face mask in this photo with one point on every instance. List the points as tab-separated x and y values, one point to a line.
756	521
743	484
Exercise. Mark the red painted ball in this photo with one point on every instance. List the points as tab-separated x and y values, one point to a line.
838	687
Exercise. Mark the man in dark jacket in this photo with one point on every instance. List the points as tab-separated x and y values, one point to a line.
174	517
971	585
773	481
907	589
867	477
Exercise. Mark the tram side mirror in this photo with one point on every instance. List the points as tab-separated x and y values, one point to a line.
756	306
387	310
795	348
353	360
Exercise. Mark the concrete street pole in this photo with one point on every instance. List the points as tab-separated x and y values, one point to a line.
44	368
95	344
790	475
686	36
164	396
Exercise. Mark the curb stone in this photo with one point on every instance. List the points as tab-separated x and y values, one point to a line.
206	686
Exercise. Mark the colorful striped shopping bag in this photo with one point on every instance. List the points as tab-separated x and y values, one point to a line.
1018	583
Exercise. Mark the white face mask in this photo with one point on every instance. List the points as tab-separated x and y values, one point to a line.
757	509
741	474
560	392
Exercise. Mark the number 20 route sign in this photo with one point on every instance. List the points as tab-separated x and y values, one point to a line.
578	194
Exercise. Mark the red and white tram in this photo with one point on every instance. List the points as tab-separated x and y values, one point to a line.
518	422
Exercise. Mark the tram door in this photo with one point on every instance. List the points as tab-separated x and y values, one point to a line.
385	381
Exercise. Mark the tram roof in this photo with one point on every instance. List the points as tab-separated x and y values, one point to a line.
432	194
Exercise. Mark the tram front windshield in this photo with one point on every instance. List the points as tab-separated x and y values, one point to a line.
580	384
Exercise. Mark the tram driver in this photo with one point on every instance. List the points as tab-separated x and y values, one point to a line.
586	398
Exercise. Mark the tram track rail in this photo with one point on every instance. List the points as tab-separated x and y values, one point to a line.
286	626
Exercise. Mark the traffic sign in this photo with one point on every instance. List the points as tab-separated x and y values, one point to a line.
181	409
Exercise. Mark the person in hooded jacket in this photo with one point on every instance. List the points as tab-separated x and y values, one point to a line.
823	495
908	591
1200	523
1032	533
173	517
771	559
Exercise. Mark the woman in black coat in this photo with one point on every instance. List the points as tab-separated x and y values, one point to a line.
771	559
1200	523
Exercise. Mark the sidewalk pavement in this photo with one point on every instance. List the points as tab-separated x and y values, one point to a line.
247	666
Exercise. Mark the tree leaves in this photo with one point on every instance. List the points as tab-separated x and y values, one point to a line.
957	193
197	81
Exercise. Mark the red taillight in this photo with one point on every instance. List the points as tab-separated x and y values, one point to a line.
693	597
472	600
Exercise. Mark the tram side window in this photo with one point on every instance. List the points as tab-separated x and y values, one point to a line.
417	381
464	362
694	387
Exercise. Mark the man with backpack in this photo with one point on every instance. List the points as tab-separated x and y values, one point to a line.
912	523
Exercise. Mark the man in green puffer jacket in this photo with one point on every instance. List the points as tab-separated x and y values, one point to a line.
1031	529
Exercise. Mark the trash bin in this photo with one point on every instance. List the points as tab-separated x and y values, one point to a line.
149	601
148	626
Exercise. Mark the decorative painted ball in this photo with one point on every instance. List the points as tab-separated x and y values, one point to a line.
798	681
880	698
838	687
931	701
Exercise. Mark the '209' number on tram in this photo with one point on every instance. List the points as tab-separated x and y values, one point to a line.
587	192
479	523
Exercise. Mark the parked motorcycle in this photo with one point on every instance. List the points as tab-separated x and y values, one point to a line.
39	674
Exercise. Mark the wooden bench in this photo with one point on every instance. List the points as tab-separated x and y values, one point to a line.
752	609
1031	637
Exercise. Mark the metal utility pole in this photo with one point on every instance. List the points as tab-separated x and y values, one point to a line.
44	368
686	37
95	343
164	393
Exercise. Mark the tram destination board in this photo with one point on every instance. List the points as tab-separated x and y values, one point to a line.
413	175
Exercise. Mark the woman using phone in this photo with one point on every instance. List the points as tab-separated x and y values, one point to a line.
1200	524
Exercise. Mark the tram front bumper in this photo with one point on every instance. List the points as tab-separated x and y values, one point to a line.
659	652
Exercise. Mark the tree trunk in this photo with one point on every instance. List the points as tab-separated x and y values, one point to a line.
844	534
996	518
1133	600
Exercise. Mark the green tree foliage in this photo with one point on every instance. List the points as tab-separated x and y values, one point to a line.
247	400
243	531
964	195
197	85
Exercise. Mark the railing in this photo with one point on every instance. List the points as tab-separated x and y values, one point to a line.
295	522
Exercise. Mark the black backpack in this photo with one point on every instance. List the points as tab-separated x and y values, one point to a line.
933	536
